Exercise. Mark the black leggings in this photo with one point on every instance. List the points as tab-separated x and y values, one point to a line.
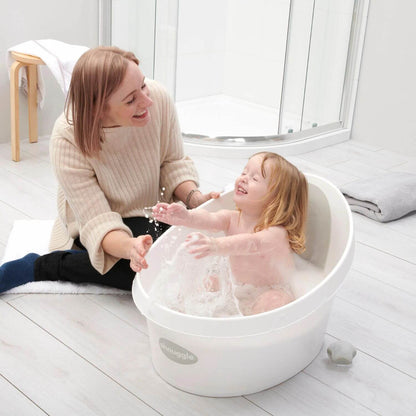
75	266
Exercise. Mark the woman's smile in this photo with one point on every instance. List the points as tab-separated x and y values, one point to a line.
129	104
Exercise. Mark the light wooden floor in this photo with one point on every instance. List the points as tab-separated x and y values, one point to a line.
89	355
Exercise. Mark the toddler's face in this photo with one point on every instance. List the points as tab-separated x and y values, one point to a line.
251	186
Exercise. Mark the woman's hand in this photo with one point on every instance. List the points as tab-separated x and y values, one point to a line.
201	245
141	246
191	196
199	198
173	214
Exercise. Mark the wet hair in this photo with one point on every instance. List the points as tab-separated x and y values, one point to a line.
96	75
286	202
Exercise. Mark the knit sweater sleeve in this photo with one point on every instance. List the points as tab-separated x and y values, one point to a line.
175	167
85	199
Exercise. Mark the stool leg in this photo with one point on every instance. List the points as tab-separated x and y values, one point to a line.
14	109
32	80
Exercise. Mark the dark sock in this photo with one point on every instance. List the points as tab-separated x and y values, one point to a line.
17	272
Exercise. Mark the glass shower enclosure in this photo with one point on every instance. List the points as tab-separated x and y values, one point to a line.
249	73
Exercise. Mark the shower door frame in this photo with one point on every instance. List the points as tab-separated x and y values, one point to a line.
237	146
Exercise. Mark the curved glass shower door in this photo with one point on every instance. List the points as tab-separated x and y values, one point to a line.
246	71
257	69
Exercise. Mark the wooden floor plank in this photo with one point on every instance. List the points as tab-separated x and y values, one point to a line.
54	377
336	177
13	402
386	268
369	382
361	169
382	339
393	305
405	225
304	395
383	238
123	307
21	194
120	351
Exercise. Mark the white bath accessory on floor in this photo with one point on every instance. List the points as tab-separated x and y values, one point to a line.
233	356
341	352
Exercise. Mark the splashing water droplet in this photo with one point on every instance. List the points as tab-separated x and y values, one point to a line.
162	192
148	213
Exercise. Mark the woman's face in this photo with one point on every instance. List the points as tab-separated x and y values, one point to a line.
129	104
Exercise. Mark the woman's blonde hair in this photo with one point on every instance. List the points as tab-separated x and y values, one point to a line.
96	75
286	199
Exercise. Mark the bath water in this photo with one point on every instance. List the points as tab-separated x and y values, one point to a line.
200	287
205	287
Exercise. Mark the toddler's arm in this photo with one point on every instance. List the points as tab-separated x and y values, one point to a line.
273	238
177	214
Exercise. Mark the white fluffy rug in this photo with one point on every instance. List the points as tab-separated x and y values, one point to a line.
32	236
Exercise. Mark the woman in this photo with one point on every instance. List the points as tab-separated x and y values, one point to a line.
115	148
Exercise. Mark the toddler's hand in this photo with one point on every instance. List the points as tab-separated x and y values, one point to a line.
173	214
139	250
201	245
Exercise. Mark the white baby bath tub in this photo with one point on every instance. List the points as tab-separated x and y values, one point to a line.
233	356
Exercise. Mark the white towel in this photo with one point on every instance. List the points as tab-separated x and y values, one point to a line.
32	236
383	198
59	57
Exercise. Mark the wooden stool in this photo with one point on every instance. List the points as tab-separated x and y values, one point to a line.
31	63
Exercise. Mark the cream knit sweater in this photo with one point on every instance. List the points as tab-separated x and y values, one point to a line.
135	163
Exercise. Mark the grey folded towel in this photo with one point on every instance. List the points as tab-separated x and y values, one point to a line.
383	198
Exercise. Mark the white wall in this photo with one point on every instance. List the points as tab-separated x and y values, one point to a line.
74	22
385	112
